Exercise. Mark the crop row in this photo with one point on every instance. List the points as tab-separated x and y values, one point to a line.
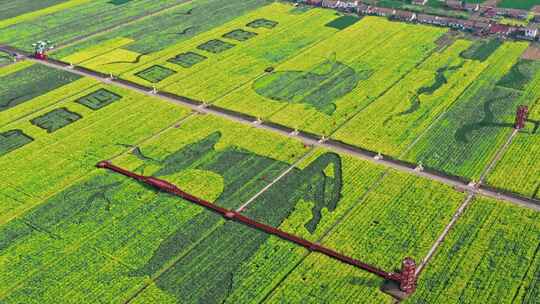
401	216
20	86
57	159
517	170
362	71
491	256
393	121
64	25
196	17
465	140
13	9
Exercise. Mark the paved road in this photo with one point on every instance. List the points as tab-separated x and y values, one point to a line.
307	138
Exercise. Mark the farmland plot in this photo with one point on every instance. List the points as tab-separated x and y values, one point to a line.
254	262
465	140
518	169
11	9
144	231
324	85
65	25
401	217
61	147
491	256
118	58
176	25
22	85
296	205
393	121
243	60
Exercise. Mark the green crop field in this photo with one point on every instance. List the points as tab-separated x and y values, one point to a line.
15	8
426	95
23	85
68	138
328	83
80	19
490	257
392	122
518	4
394	220
524	152
466	139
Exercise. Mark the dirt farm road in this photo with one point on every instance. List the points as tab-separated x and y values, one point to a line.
306	138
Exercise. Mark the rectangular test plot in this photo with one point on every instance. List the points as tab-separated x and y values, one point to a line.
56	119
98	99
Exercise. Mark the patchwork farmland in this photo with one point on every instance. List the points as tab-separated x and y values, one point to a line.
256	151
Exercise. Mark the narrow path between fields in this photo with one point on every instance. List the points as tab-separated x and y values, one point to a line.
307	138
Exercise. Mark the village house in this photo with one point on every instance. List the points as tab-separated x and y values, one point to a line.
362	9
501	30
330	3
472	7
348	6
454	4
530	33
405	16
419	2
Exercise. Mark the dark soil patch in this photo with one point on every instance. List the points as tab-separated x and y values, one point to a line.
13	140
98	99
343	22
155	73
318	87
188	59
215	46
481	50
239	35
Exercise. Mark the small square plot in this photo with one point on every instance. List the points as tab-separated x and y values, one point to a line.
13	140
98	99
265	23
56	119
215	46
188	59
240	35
155	73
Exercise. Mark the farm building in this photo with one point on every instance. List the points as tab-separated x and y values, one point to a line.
419	2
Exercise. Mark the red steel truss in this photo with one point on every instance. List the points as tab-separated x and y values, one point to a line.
406	278
521	117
